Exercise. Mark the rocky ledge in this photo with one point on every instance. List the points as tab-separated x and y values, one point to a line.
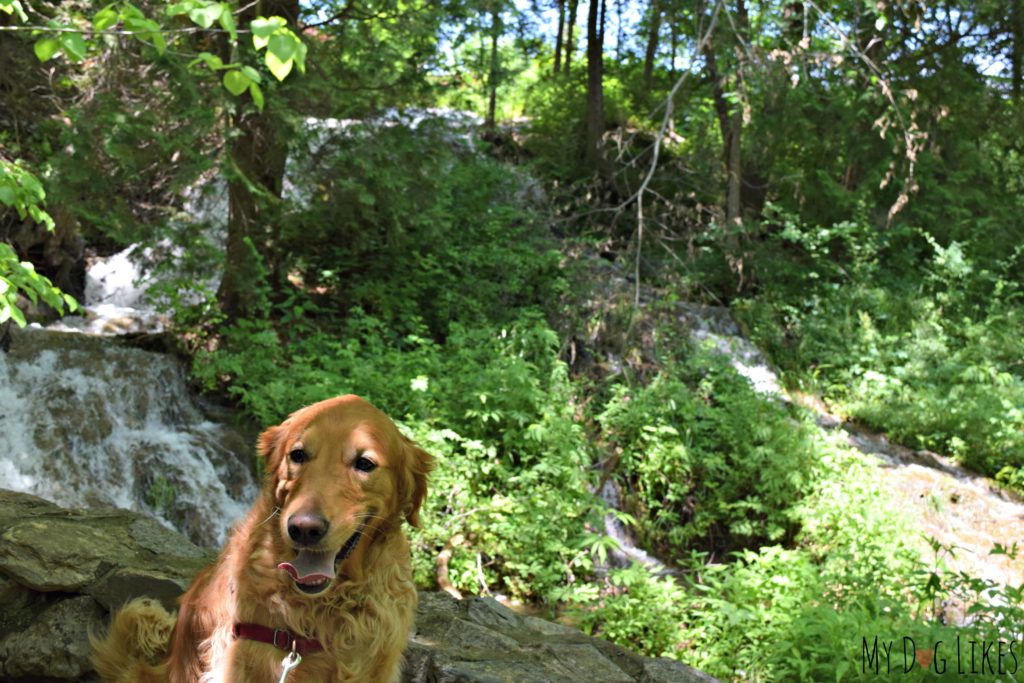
62	571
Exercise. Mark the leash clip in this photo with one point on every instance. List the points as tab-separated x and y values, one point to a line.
291	661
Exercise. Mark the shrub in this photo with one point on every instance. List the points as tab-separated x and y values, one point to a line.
707	462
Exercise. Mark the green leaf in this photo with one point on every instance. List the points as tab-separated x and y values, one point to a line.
227	22
7	195
40	216
17	315
159	42
46	48
282	45
263	28
179	8
236	82
129	11
252	74
146	31
257	95
105	18
74	46
204	16
277	67
12	6
300	56
212	61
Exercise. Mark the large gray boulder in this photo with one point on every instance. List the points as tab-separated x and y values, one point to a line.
479	640
62	572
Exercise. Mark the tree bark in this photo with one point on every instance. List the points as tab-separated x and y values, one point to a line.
652	42
558	38
730	122
595	82
570	43
733	206
255	176
492	78
1016	50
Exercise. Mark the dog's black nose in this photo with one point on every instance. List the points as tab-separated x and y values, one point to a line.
306	529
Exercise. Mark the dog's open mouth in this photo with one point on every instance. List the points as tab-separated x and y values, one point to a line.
313	570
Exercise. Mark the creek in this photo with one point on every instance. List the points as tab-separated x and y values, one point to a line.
968	514
88	421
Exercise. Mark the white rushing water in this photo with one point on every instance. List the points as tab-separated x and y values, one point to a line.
86	422
115	297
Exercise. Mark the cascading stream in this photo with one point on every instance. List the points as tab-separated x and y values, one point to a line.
87	422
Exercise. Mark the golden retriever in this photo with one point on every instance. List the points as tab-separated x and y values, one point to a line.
320	565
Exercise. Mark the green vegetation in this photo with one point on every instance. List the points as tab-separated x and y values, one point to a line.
846	178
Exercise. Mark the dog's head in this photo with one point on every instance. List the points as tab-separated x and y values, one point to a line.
341	475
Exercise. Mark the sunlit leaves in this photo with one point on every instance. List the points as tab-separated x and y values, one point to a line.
46	48
106	18
263	28
13	7
238	80
73	45
23	191
284	49
214	62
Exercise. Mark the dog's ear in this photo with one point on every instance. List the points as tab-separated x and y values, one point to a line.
268	446
418	464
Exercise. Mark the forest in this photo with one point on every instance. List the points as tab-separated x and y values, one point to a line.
498	221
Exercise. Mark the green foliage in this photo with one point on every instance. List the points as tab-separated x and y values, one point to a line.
902	333
708	462
21	190
20	277
415	229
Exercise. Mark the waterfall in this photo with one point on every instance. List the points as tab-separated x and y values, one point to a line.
87	422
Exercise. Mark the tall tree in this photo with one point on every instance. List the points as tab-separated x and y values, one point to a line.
595	82
255	175
492	77
558	37
730	114
653	29
570	41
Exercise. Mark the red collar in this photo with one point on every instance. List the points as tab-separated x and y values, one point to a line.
282	639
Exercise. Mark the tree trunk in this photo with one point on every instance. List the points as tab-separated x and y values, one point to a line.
730	122
620	36
595	82
733	207
558	38
1016	50
570	42
255	177
654	14
731	126
492	78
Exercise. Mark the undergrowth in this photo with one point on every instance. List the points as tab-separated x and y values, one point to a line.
928	353
783	555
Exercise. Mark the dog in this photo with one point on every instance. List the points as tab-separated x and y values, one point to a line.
319	567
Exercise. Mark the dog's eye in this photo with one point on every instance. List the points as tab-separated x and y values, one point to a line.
365	464
298	456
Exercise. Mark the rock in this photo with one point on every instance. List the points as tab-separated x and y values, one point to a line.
62	572
478	640
55	645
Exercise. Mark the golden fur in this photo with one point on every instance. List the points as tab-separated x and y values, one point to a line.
364	615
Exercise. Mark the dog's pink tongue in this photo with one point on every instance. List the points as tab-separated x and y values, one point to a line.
309	565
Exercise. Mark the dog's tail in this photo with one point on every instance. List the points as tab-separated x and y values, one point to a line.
134	650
